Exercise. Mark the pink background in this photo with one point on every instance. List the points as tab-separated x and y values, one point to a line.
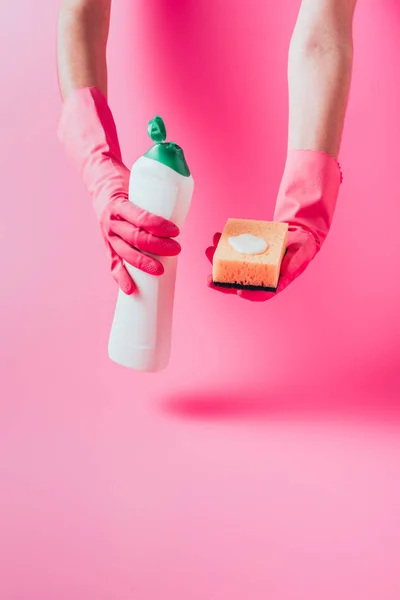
265	463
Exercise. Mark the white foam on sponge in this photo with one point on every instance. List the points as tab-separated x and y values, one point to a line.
246	243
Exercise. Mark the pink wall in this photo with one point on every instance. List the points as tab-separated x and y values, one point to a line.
270	472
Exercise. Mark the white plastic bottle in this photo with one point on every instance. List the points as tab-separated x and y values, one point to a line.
160	183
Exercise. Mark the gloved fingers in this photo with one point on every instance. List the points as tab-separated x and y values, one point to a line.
223	290
255	296
144	220
210	251
143	240
263	296
216	238
123	279
251	295
135	258
119	272
300	252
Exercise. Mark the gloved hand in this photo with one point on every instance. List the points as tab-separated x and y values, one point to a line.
89	136
306	201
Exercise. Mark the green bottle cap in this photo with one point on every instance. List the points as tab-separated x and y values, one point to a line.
168	153
156	130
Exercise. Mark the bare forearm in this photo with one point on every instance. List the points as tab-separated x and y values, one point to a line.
319	73
83	27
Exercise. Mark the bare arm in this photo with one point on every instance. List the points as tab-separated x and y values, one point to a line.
319	73
83	27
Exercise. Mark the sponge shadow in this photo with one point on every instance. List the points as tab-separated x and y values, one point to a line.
248	405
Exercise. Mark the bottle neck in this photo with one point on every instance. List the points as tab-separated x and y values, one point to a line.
171	155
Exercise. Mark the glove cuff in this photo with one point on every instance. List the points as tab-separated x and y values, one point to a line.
89	136
308	192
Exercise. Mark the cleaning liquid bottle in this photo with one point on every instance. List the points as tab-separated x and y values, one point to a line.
160	183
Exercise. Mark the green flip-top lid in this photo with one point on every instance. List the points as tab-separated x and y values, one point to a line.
168	153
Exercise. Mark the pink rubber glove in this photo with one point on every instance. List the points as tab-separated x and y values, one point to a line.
89	136
306	201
